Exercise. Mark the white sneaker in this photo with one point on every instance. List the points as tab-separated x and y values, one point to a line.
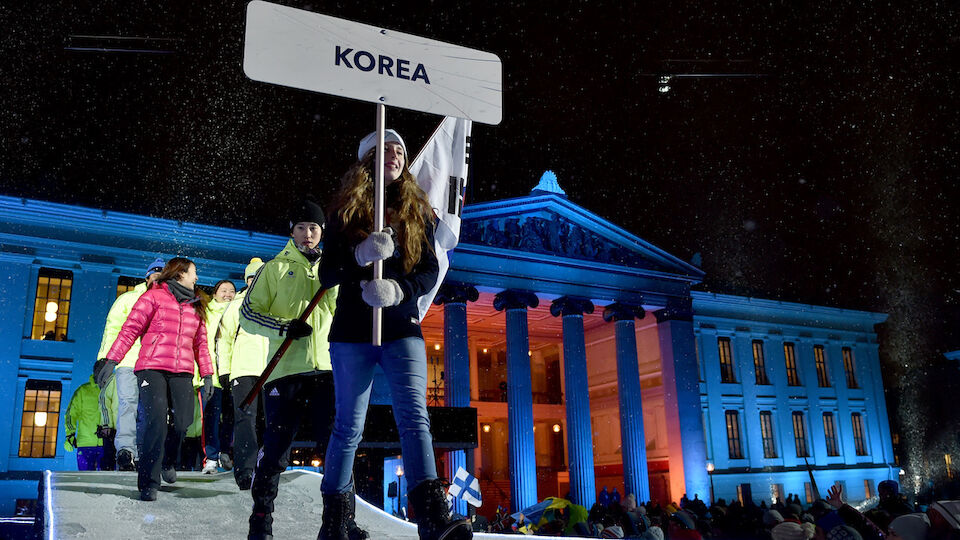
209	466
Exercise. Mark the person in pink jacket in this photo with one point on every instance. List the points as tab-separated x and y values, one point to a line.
169	320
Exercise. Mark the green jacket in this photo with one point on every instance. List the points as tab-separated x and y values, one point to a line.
115	319
279	293
214	312
109	397
239	352
83	416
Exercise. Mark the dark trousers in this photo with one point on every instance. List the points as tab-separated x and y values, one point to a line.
161	392
211	424
226	416
246	440
286	401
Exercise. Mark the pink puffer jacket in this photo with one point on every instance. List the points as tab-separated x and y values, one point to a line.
173	337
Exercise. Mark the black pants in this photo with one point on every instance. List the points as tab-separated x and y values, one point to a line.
161	392
226	416
286	402
246	438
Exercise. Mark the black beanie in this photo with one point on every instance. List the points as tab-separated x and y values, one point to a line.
307	211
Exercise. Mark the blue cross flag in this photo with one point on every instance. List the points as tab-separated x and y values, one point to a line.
467	487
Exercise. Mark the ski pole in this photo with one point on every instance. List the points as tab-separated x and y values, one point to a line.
279	354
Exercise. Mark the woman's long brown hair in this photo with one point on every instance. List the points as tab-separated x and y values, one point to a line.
354	208
172	271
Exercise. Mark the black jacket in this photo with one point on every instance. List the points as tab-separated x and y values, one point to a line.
352	321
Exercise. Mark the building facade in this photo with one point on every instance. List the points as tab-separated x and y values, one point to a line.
590	360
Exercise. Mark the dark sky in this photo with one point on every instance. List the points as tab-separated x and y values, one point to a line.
831	180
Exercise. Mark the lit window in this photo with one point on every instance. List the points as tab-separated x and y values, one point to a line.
726	361
759	365
859	439
867	489
830	434
125	284
52	304
734	446
40	419
821	361
790	356
949	463
766	431
848	368
800	434
777	493
808	492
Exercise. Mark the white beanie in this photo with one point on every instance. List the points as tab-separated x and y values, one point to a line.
370	141
911	526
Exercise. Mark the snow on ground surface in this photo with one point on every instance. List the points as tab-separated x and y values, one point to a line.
105	505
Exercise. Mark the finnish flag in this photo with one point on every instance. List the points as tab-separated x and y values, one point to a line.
441	171
467	487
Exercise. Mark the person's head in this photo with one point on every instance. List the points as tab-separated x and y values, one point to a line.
411	210
306	225
181	270
394	154
153	271
909	527
224	291
251	270
888	489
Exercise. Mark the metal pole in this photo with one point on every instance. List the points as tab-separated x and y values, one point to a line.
378	214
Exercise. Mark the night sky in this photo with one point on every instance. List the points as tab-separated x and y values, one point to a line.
829	179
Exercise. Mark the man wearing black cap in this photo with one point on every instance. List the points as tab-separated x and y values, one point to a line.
128	394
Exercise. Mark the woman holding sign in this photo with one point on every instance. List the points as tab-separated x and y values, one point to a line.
409	270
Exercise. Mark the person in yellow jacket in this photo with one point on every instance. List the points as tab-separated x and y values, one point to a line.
242	356
82	419
128	393
302	383
223	292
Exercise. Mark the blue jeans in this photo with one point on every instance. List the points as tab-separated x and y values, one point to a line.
211	424
404	361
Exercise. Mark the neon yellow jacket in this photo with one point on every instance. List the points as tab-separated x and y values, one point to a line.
239	352
115	319
83	416
279	293
214	312
109	397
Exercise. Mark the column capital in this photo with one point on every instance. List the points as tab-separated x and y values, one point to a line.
622	312
568	305
456	293
515	299
678	309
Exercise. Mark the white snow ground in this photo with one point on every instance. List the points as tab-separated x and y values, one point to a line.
104	505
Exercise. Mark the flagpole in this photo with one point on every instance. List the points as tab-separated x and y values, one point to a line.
378	215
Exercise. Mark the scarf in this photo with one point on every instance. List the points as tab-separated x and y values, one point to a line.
181	293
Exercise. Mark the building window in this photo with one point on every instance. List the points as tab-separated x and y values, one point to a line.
859	440
867	489
830	434
949	463
759	365
848	368
726	361
790	356
51	309
777	494
821	360
696	354
800	434
808	492
766	431
40	419
125	284
734	446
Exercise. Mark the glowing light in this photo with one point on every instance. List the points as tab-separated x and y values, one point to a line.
52	306
529	353
315	463
484	351
50	316
436	346
710	467
296	462
486	428
556	428
40	419
399	471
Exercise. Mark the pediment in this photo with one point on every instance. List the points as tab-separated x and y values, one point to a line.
553	226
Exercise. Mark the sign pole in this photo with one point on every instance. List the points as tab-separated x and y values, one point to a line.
378	215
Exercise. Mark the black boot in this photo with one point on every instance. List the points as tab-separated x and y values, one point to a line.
354	532
433	514
336	508
261	527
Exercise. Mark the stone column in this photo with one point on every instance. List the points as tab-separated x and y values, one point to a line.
632	438
523	458
456	364
577	392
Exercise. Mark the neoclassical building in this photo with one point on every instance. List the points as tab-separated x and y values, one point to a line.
585	353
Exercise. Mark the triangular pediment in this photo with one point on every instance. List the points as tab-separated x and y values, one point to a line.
552	226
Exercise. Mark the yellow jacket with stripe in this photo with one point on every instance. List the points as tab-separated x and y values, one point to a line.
115	319
240	353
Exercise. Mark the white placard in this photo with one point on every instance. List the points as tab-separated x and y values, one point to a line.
310	51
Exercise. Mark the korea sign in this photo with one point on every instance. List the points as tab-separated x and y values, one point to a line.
310	51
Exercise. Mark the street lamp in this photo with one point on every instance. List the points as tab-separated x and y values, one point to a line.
710	468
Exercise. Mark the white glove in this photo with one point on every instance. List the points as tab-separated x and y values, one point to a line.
381	292
376	247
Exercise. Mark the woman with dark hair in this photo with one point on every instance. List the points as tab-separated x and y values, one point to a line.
409	270
169	320
214	435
